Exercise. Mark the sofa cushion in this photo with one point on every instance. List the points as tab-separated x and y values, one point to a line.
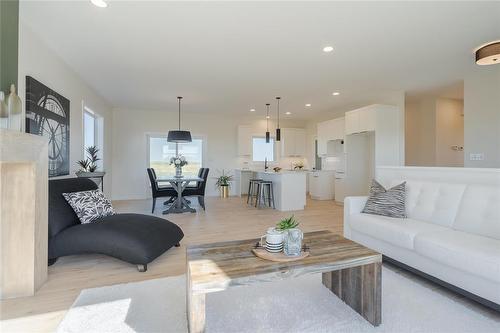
433	202
135	238
479	211
89	205
399	232
467	252
386	202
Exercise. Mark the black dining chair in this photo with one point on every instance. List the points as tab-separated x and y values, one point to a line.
157	191
199	189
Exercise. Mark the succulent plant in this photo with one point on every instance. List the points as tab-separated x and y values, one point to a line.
287	223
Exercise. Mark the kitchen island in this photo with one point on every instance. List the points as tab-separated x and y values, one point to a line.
289	188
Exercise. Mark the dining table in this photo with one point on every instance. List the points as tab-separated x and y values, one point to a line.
180	204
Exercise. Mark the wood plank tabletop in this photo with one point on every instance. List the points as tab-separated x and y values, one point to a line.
217	266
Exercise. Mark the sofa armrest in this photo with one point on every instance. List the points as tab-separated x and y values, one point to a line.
352	205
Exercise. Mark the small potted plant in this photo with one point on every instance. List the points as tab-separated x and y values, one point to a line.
88	166
292	240
223	182
178	162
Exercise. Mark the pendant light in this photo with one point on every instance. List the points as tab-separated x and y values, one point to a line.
278	129
268	135
179	136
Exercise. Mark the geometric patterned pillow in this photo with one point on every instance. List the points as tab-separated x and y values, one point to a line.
89	205
384	202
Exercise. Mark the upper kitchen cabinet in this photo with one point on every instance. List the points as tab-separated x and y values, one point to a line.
361	120
329	130
293	142
244	140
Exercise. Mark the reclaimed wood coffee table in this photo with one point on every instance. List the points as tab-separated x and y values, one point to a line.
350	270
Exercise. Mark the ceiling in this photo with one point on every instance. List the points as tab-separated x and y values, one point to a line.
228	57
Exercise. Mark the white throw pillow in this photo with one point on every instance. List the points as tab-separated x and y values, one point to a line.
89	205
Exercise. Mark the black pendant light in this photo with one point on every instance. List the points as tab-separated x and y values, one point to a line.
268	135
278	129
179	136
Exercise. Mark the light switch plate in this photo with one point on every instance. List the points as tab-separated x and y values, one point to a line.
476	156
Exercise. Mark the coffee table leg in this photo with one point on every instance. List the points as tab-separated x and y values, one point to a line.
360	288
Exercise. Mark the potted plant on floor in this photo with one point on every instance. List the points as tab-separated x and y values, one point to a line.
223	182
88	166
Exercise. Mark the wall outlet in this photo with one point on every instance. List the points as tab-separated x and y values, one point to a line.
476	156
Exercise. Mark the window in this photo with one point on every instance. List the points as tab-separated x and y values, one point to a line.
93	133
160	152
89	126
262	150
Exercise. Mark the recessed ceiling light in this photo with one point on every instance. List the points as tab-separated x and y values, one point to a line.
252	110
288	112
336	93
308	105
99	3
328	49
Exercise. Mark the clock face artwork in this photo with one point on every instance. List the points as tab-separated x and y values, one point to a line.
47	114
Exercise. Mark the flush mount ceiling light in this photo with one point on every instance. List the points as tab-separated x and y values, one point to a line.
288	113
308	105
328	49
179	136
336	93
252	110
99	3
488	54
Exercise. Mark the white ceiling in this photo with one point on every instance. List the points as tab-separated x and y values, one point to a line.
230	57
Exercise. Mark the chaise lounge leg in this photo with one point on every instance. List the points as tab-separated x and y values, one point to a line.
142	268
177	245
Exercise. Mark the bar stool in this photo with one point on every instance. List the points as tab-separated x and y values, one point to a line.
253	190
262	186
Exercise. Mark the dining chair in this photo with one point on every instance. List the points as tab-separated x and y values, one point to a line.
199	189
157	191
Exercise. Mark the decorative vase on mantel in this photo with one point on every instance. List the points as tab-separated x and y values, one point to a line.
178	171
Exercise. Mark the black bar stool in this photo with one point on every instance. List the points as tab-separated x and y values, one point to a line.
263	187
253	190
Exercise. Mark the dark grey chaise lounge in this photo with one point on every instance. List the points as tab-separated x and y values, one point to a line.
134	238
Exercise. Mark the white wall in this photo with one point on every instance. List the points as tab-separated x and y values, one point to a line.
38	61
130	130
482	115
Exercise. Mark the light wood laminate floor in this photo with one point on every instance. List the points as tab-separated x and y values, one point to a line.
225	219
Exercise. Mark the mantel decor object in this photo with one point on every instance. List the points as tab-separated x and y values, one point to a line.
88	167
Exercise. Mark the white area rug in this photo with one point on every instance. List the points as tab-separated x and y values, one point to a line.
296	305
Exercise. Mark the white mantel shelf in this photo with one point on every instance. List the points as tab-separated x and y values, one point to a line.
23	213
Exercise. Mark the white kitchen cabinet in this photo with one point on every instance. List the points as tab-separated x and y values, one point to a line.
322	137
244	140
327	131
293	142
321	185
352	122
361	120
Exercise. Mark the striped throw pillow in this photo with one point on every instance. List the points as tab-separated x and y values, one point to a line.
384	202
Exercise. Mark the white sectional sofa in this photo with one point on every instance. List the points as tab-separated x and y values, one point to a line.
452	232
